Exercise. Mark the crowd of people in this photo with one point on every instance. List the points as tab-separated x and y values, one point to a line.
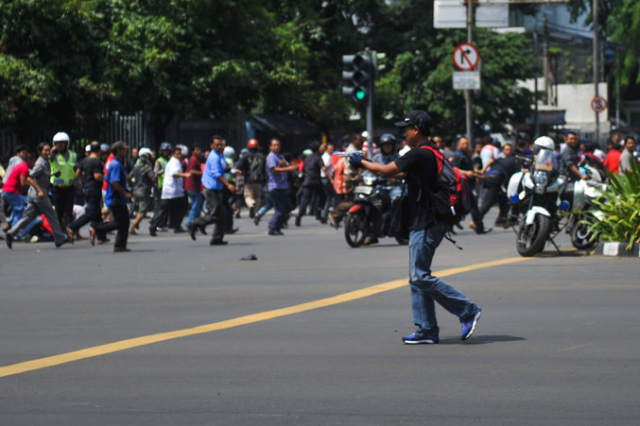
50	195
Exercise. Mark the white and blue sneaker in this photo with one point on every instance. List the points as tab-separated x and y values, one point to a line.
469	326
412	339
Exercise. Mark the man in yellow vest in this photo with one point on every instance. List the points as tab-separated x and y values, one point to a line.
158	170
64	170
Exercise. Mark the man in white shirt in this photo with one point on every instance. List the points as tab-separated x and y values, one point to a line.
327	182
488	153
172	195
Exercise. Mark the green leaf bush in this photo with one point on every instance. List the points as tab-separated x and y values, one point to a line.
616	215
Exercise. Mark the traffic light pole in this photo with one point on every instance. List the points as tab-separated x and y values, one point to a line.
467	93
370	106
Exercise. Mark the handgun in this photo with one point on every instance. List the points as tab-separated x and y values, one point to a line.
349	154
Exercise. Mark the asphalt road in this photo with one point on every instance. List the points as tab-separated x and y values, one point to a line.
556	343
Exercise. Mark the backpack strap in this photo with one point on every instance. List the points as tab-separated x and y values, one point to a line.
447	235
438	154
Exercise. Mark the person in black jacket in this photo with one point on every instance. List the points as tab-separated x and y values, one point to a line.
463	162
253	168
312	184
420	168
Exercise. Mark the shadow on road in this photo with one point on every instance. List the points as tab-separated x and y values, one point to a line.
565	253
483	340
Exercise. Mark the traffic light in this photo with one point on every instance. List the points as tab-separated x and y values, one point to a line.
357	76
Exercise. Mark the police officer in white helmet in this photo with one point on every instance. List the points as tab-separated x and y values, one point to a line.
64	174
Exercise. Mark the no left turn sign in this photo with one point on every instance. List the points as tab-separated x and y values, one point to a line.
465	56
599	104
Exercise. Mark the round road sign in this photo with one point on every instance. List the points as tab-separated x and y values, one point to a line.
465	56
599	104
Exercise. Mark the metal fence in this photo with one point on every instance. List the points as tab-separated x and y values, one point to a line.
137	131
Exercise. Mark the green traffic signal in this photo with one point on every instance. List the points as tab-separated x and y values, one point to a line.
357	76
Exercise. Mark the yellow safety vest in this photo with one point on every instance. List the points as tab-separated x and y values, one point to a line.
66	167
163	162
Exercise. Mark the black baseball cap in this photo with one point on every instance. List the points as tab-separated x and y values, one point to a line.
416	118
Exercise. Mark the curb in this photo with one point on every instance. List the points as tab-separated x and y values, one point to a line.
618	249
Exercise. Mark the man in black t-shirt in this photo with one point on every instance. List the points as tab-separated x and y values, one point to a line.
464	164
92	170
312	184
420	168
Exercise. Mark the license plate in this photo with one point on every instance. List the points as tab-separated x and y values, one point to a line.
363	189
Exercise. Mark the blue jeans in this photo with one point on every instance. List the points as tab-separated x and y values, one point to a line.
27	229
314	196
427	289
268	204
280	200
330	198
197	202
18	204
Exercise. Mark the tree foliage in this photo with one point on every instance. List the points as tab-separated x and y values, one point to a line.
423	67
619	21
61	60
50	63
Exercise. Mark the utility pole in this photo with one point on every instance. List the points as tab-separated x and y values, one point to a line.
545	60
617	87
467	92
595	64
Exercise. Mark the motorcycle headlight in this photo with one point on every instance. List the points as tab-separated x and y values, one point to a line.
541	178
369	180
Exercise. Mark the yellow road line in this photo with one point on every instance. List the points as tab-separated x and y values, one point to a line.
122	345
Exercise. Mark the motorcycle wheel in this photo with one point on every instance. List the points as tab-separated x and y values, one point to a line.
531	238
402	241
580	237
355	229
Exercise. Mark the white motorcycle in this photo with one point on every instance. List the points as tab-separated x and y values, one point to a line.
542	194
583	193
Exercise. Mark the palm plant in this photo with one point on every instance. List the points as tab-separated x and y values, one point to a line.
616	215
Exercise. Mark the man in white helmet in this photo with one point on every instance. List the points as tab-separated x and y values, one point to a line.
64	174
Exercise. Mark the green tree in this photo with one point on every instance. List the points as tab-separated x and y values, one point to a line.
51	66
73	58
619	21
421	75
190	57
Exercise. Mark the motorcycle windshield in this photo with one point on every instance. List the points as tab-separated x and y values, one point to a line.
544	160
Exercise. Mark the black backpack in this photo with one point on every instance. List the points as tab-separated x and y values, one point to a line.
257	172
450	201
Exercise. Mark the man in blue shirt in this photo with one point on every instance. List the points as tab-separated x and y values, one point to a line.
213	180
116	199
277	185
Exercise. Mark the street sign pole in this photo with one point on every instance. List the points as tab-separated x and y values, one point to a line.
467	93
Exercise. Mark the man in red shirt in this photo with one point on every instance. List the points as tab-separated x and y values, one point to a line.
612	162
15	185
